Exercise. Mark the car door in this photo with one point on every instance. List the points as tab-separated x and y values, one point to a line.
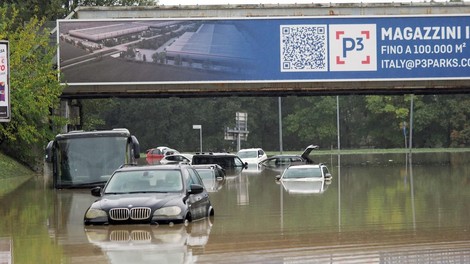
305	155
199	203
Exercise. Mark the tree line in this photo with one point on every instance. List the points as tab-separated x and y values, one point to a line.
365	121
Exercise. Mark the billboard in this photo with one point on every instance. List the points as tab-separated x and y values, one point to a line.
5	110
264	50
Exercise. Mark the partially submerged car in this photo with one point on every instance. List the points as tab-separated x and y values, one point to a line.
150	195
288	160
177	158
305	187
225	160
309	172
213	176
154	155
252	155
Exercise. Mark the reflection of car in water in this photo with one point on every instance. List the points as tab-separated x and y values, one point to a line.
287	160
305	187
150	195
150	244
212	175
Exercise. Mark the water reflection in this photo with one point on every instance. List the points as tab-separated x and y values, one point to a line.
150	244
305	187
395	208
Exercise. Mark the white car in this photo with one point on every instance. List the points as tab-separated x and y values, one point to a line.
252	155
177	158
309	172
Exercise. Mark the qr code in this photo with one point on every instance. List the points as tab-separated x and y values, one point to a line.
303	48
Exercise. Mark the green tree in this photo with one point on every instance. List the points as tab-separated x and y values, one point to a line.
312	121
459	120
34	87
431	127
386	115
47	9
70	5
353	117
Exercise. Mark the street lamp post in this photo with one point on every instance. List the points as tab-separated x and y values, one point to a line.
200	135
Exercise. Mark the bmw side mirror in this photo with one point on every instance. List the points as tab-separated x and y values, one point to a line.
96	191
278	177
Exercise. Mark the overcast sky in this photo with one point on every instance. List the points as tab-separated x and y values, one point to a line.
222	2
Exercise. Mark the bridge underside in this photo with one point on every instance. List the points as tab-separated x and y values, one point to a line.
268	89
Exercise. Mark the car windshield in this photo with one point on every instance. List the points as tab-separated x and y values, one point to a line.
145	181
79	165
293	173
247	154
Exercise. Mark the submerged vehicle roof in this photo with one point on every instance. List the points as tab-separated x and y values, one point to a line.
119	132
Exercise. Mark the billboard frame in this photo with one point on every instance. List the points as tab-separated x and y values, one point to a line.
266	87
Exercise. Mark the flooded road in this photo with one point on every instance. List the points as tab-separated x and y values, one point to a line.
377	209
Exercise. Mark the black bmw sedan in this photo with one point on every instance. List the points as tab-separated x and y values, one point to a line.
150	195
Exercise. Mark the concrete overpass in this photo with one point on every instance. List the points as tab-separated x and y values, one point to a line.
240	87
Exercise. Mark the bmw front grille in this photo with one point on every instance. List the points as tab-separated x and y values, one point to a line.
137	213
140	213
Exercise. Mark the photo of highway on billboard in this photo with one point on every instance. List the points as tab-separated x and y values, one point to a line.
307	49
153	51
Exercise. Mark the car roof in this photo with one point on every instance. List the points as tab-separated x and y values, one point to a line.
154	167
215	154
187	155
250	149
305	166
284	156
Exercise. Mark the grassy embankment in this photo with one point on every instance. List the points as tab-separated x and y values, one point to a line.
363	151
374	151
12	174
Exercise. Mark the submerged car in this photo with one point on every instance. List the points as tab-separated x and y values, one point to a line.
308	172
154	155
252	155
288	160
150	195
213	176
305	187
225	160
177	158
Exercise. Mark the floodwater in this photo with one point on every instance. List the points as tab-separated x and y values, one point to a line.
377	209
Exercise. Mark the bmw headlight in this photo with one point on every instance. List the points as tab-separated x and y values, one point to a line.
95	213
167	211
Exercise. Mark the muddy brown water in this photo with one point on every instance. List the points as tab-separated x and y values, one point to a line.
377	209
